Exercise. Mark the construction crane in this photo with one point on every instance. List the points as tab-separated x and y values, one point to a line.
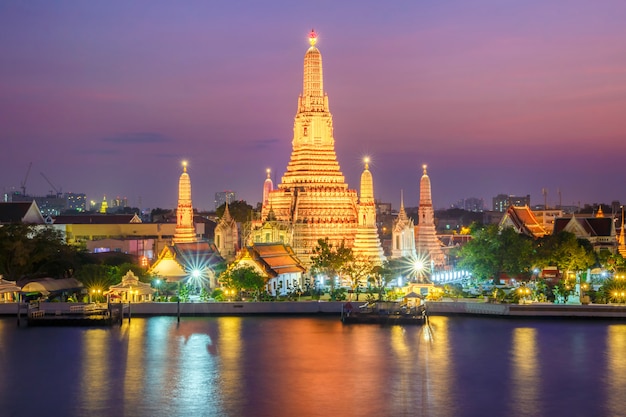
23	185
57	192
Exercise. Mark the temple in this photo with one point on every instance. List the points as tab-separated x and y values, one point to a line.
185	230
403	234
366	241
312	200
227	236
426	241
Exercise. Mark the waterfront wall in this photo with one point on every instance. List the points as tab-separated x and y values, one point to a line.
201	309
527	310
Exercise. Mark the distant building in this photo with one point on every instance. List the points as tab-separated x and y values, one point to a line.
76	202
470	204
598	230
502	202
223	197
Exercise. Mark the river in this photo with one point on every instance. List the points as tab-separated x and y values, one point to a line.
311	366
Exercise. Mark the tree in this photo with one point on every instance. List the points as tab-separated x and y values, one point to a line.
383	274
243	278
329	260
492	252
240	211
35	251
565	252
357	271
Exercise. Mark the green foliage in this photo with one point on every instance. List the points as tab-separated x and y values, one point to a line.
243	278
204	295
612	291
119	271
383	274
357	271
338	294
183	293
35	251
329	260
564	251
240	211
96	276
492	252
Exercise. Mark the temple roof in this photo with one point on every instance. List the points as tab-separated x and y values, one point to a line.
593	226
524	221
97	219
20	212
274	258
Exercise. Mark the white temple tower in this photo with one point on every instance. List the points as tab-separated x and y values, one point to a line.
313	199
426	241
403	234
227	236
367	242
185	230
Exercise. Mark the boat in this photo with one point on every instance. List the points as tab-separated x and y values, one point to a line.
383	312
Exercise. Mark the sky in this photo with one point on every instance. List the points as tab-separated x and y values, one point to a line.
495	96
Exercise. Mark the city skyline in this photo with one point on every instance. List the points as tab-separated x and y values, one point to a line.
108	99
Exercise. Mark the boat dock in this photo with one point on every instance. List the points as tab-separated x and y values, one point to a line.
385	313
50	314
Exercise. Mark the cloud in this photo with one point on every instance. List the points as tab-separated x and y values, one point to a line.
137	137
100	152
261	144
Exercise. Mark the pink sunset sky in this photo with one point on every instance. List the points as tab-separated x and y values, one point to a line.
496	96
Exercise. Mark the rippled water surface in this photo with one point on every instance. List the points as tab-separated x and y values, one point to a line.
275	366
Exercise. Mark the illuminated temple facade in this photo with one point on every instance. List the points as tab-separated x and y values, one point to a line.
312	199
426	241
366	241
185	229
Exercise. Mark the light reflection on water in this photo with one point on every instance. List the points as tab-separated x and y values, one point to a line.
275	366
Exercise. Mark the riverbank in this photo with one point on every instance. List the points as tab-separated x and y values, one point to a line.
536	310
438	308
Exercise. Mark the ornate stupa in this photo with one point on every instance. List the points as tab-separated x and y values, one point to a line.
313	198
268	186
366	241
185	230
403	234
104	206
227	236
426	241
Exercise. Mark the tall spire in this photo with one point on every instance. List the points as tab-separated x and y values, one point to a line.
313	97
426	239
367	185
185	230
313	198
366	241
402	213
403	234
268	186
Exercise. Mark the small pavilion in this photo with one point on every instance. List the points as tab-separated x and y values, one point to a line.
131	290
8	291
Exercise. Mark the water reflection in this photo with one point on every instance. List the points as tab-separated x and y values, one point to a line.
616	368
132	348
95	364
274	366
525	384
438	381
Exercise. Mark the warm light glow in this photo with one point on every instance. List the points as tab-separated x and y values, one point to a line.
184	166
312	37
